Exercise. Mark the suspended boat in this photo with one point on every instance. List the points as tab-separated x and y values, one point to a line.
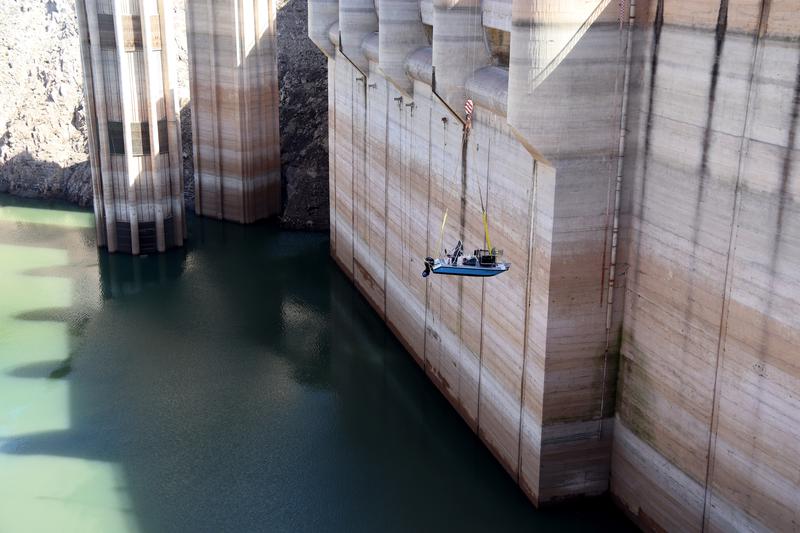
482	263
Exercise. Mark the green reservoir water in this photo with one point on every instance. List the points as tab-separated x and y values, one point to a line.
239	384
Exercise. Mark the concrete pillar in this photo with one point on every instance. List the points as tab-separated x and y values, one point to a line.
234	89
322	14
564	103
357	20
458	49
401	33
134	145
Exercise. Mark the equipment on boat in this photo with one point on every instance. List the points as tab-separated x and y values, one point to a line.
482	263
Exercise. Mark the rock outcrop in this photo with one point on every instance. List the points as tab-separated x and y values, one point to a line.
42	125
302	72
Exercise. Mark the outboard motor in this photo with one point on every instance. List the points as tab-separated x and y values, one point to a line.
428	265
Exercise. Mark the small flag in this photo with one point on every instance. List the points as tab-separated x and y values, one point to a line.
621	12
468	107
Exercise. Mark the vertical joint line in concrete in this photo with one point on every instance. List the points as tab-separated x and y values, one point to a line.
427	241
483	280
367	187
528	271
364	160
353	204
385	195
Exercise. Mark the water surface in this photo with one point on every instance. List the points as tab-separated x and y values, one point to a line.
239	384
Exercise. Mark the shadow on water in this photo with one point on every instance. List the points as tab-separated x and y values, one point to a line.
239	384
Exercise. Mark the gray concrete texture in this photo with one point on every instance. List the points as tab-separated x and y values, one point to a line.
677	263
707	420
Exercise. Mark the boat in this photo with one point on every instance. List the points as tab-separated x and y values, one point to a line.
482	263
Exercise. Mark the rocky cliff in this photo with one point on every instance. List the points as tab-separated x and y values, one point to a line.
42	124
302	70
43	144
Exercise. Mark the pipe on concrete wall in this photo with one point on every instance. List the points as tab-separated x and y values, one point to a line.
401	32
369	47
419	65
612	268
333	34
357	20
322	14
488	87
458	48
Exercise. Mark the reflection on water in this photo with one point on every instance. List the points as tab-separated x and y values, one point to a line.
239	384
125	275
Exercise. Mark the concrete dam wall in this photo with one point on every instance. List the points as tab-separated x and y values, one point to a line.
638	167
706	433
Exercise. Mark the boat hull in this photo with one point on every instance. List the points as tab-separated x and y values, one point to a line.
470	271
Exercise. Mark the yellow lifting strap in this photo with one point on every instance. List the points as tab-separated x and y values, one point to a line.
486	232
441	235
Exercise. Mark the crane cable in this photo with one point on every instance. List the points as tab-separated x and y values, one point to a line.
439	250
476	25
